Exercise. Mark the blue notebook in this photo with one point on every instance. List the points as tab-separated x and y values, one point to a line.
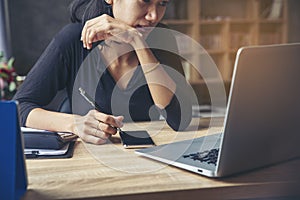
13	173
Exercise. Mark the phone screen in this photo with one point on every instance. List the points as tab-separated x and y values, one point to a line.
136	139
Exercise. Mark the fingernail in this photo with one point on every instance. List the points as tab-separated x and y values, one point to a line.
119	121
120	124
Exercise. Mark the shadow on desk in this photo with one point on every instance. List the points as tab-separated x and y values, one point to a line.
31	194
283	171
281	179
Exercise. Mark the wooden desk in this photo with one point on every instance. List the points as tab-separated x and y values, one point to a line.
121	174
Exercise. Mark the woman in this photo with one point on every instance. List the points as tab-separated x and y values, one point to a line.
110	26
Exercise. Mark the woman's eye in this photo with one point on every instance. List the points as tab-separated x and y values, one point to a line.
164	3
161	3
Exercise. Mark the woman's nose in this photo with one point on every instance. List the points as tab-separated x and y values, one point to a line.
152	14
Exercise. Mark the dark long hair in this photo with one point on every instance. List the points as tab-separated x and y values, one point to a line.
83	10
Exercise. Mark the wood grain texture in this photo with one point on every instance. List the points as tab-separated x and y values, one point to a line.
121	174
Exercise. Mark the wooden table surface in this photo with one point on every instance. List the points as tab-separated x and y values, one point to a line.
111	172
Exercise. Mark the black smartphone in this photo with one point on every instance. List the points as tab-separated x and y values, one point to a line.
136	139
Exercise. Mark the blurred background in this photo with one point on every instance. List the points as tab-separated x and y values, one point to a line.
30	25
220	26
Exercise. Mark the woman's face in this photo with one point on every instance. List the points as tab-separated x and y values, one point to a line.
139	13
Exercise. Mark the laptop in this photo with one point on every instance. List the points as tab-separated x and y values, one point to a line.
261	125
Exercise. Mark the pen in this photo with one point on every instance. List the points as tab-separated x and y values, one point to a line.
89	99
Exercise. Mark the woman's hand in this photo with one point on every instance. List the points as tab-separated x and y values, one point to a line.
106	27
96	127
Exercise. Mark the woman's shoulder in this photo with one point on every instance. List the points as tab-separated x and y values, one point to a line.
71	29
69	34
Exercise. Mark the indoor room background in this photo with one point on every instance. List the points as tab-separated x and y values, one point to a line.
221	26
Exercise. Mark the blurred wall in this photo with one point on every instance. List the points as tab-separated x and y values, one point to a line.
33	24
294	21
5	46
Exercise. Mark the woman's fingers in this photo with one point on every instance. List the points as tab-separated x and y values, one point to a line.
86	31
96	127
107	129
105	27
95	29
93	137
116	122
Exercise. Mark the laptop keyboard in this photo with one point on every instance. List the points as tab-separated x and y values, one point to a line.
209	156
